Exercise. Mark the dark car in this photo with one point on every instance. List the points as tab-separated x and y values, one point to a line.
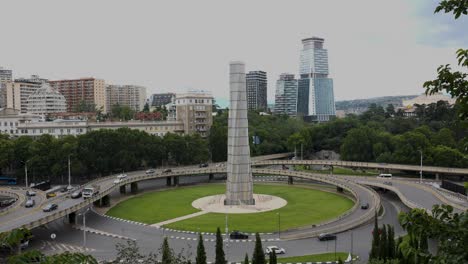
8	202
29	203
64	190
238	235
167	170
30	193
50	207
365	206
325	237
76	194
203	165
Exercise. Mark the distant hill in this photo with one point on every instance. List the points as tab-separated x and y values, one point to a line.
361	105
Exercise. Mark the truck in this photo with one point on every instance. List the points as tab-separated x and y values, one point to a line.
90	191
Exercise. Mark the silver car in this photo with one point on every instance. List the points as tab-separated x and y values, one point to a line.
30	203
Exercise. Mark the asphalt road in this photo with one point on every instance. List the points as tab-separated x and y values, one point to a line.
149	239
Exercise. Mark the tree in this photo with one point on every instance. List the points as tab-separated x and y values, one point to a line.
391	247
14	238
258	255
84	107
201	254
146	108
246	259
220	258
166	252
455	83
383	249
35	256
374	254
273	259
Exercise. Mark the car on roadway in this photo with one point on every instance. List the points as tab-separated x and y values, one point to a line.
29	203
167	170
365	206
203	165
50	207
76	194
275	249
64	189
50	195
122	176
238	235
150	171
30	193
117	181
326	237
388	183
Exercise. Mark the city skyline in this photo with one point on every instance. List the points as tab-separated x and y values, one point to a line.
406	32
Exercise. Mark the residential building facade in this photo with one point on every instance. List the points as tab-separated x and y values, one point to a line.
91	91
130	95
194	110
18	92
256	83
12	119
286	95
158	100
315	100
46	101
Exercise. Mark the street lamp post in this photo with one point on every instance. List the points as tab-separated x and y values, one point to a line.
420	169
279	225
25	172
69	174
84	227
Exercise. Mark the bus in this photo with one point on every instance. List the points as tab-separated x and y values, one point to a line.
43	186
7	180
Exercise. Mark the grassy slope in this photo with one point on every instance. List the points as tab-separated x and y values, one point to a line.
314	258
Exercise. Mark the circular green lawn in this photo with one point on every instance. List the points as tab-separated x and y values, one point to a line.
305	206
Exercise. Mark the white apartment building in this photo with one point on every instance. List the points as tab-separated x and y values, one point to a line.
18	92
194	109
45	101
11	119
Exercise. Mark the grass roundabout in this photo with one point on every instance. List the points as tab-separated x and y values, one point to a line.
306	206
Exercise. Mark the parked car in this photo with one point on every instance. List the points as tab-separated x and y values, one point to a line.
150	171
50	207
275	249
117	181
325	237
203	165
122	176
30	203
7	202
167	170
238	235
30	193
76	194
51	194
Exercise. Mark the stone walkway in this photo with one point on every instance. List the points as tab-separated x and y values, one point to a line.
170	221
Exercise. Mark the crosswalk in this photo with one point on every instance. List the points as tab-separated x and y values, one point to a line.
58	248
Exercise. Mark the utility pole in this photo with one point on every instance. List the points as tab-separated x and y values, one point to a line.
302	151
351	247
279	225
26	173
69	174
420	170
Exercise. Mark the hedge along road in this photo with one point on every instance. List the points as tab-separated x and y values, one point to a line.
306	206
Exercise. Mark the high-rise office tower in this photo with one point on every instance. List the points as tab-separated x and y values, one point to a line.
256	82
286	95
5	76
315	99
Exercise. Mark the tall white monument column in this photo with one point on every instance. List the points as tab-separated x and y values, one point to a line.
239	186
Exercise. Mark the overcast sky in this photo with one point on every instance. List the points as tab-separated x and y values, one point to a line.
375	47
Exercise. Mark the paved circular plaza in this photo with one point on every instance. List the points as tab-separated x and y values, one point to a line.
215	204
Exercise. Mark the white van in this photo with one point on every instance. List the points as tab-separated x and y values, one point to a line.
385	176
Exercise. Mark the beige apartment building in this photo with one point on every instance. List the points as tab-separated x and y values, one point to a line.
194	109
130	95
18	92
89	90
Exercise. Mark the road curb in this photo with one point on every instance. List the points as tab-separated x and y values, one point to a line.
102	233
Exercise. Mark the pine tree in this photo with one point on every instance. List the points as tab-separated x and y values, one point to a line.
273	259
220	259
166	252
258	255
340	261
374	254
201	254
391	242
246	260
383	249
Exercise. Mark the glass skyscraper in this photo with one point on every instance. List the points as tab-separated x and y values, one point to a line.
286	95
256	82
315	98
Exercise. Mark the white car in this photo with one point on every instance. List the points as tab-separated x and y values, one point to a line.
117	181
122	176
275	249
150	171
